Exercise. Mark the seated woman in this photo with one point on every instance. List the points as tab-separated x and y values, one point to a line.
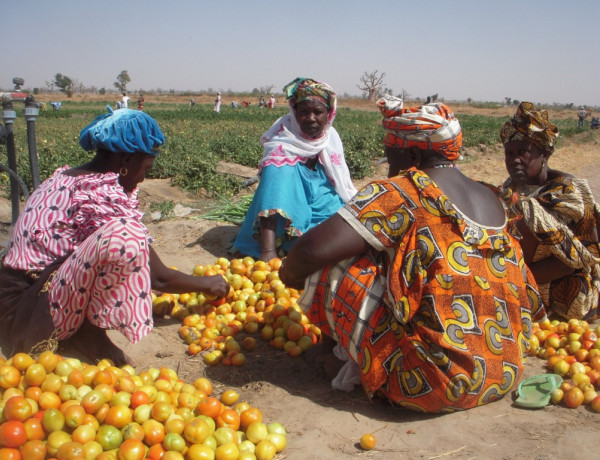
417	279
79	260
559	218
304	178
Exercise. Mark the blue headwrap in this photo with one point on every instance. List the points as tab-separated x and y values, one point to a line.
123	131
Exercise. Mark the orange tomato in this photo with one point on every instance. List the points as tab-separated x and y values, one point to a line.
17	408
13	434
131	449
8	453
154	432
119	416
48	359
209	406
34	429
367	441
138	398
248	416
10	377
34	450
230	418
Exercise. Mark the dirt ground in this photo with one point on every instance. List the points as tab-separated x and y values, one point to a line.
327	424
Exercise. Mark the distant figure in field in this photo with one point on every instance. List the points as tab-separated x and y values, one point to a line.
192	102
271	103
261	101
234	104
124	101
218	102
581	115
141	102
245	103
56	105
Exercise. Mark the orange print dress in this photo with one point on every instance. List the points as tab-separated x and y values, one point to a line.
438	316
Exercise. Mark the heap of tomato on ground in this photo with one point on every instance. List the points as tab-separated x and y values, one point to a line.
258	303
60	408
572	350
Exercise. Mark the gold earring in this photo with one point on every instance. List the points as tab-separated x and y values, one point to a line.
123	172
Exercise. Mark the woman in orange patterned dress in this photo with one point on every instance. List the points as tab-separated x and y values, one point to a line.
417	279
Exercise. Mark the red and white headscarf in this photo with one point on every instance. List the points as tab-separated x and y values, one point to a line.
427	127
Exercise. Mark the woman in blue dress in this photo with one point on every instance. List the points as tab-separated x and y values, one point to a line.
304	178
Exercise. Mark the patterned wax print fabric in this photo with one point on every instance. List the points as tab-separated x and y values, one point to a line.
427	127
439	317
565	220
300	197
307	89
90	220
531	125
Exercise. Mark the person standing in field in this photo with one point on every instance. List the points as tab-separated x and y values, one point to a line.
124	101
271	103
581	116
218	102
141	102
303	174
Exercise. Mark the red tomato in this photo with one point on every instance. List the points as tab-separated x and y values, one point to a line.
154	432
210	406
12	434
138	398
17	408
118	416
573	398
230	418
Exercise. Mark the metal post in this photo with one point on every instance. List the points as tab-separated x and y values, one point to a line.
31	113
9	116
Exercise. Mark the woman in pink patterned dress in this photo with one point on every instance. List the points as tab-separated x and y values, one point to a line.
79	260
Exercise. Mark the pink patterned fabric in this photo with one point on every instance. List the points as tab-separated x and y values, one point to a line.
106	278
62	213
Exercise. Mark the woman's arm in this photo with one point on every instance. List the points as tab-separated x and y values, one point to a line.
329	242
165	279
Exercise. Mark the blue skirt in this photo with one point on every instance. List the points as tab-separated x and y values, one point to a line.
300	197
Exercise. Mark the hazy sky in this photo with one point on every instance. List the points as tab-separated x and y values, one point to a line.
541	51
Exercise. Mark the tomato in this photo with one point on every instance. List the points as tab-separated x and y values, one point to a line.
12	434
133	430
34	429
74	416
175	424
9	376
227	451
109	437
265	450
200	452
131	449
48	359
204	385
138	398
249	416
7	453
156	452
33	393
34	449
35	375
70	451
52	383
49	400
154	432
230	397
161	411
230	418
209	406
573	398
367	441
93	450
53	420
174	441
118	416
84	434
196	431
55	440
17	408
92	401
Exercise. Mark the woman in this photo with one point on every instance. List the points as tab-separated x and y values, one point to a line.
218	102
79	260
304	178
416	277
141	102
558	217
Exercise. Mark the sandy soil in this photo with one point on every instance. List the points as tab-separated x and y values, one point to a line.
327	424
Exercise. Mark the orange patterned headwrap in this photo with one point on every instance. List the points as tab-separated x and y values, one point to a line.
530	125
427	127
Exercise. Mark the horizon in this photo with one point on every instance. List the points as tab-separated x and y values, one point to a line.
485	51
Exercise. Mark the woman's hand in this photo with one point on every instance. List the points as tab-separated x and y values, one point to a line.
217	285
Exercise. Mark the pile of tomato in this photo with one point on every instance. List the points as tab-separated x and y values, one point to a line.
258	304
55	407
572	350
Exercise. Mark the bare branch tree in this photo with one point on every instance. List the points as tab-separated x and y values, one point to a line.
266	89
371	84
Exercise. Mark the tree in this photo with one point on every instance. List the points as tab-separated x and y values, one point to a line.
122	80
64	83
371	84
266	89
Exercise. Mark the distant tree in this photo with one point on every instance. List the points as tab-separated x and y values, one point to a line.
64	83
404	95
371	84
469	100
102	90
77	86
122	80
516	102
434	97
266	89
255	92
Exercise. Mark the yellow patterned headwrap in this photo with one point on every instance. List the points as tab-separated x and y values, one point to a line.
530	125
428	127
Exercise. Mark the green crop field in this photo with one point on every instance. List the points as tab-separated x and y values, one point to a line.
198	138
